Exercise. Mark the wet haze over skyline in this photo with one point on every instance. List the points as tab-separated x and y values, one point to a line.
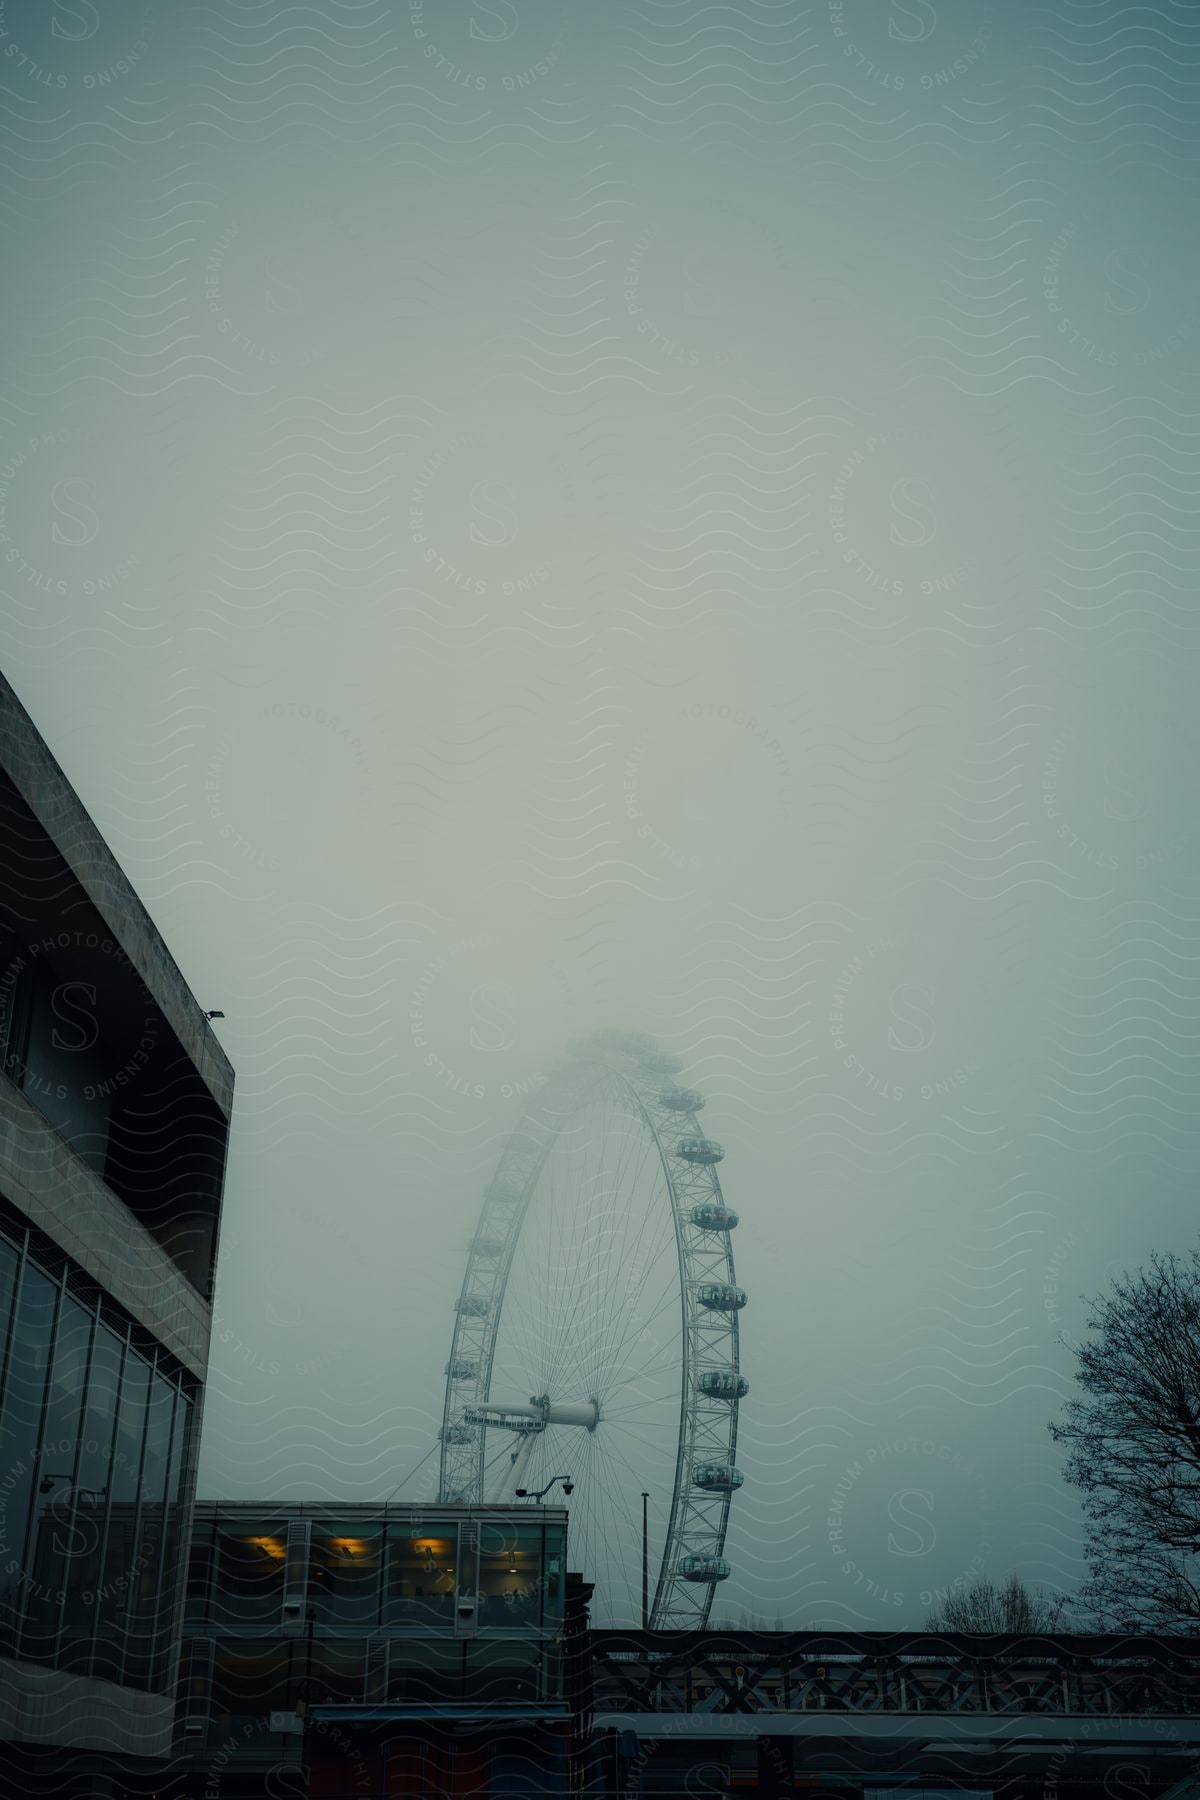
519	518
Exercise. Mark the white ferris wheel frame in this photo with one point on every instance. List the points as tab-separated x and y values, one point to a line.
633	1068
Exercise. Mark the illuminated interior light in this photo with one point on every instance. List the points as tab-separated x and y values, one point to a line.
270	1546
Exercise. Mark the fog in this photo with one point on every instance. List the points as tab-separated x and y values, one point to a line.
523	519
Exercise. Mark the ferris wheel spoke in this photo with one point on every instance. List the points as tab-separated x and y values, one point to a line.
638	1479
618	1262
624	1183
620	1328
622	1533
622	1412
493	1467
565	1373
587	1311
589	1320
616	1522
579	1316
630	1370
629	1309
668	1296
659	1388
642	1435
652	1217
562	1218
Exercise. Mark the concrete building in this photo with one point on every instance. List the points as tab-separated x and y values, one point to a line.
114	1113
393	1650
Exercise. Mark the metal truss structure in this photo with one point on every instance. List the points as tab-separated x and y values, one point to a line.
720	1677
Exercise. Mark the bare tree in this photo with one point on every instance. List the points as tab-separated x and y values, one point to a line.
1134	1443
983	1606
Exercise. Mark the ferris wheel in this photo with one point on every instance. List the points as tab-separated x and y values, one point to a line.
596	1335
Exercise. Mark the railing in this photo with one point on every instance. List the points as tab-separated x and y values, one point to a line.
893	1672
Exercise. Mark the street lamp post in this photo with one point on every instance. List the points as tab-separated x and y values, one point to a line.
645	1561
568	1487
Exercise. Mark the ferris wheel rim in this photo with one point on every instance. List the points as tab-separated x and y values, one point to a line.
697	1522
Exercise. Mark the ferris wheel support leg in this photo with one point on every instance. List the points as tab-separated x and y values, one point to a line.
510	1479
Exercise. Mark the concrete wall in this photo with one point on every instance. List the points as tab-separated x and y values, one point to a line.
57	807
44	1706
59	1194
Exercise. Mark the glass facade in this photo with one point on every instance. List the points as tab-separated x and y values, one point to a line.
353	1606
363	1574
94	1436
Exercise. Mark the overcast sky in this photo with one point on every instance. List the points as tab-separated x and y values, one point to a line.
523	517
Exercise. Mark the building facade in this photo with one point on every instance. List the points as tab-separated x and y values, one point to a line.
115	1102
358	1650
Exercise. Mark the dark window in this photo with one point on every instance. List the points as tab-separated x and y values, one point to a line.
252	1677
338	1670
93	1449
420	1577
20	1431
250	1559
513	1584
10	1258
173	1546
52	1540
344	1575
145	1608
100	1419
92	1516
121	1554
425	1670
64	1066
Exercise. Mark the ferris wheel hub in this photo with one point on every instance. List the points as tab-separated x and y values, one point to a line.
540	1411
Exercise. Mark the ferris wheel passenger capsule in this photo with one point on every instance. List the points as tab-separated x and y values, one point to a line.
472	1306
681	1099
486	1245
699	1567
659	1063
462	1370
711	1216
721	1296
700	1150
457	1434
717	1478
723	1384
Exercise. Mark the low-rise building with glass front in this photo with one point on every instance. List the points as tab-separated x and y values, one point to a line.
386	1650
114	1111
